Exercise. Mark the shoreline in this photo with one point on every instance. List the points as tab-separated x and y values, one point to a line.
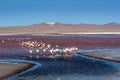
101	57
8	69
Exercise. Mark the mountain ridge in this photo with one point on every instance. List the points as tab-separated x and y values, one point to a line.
59	23
56	27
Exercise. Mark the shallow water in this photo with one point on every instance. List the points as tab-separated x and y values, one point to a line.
77	68
70	77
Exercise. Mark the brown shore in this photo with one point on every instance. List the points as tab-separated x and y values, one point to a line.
8	69
99	56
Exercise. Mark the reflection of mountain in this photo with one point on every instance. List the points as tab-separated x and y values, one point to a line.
55	27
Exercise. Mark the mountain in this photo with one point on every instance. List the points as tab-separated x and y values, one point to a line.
51	24
81	24
56	27
112	24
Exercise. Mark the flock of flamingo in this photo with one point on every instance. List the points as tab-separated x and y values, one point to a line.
40	49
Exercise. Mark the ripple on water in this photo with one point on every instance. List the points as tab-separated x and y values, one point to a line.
74	69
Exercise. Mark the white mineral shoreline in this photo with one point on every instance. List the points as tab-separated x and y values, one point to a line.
3	34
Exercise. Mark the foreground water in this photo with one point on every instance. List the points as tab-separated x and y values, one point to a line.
80	69
77	68
29	49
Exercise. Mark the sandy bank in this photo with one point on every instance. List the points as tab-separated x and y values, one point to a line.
8	69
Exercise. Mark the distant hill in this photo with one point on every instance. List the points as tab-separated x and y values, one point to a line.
56	27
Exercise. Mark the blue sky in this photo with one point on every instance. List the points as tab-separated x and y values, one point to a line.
26	12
